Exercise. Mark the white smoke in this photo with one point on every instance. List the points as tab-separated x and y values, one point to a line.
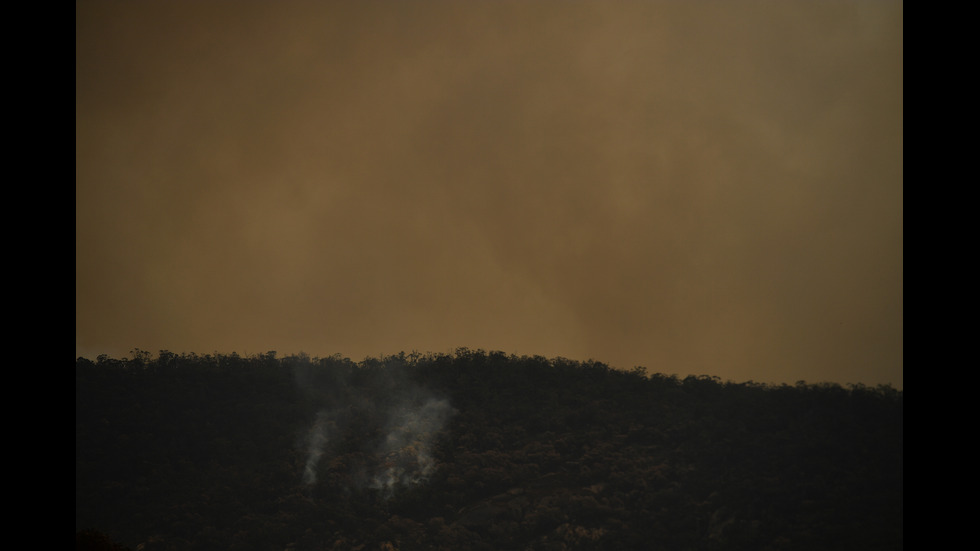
406	452
410	418
317	439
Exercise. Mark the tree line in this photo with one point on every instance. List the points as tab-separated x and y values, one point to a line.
475	450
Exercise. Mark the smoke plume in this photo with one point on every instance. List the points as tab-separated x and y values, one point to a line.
406	450
317	439
386	421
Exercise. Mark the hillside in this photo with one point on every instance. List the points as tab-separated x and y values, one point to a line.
476	450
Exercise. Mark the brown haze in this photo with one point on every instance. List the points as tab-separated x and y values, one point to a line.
694	187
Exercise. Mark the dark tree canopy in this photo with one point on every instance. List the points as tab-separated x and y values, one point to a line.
474	450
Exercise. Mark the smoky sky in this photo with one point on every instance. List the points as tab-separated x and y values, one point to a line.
693	187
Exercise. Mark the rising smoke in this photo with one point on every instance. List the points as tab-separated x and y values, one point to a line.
406	450
317	439
393	422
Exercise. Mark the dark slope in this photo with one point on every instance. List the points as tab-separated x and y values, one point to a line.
476	451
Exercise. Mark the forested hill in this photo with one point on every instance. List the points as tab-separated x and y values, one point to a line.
475	450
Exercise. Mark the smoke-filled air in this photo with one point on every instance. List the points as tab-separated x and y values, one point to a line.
699	188
452	275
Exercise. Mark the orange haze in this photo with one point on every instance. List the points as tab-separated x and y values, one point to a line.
694	187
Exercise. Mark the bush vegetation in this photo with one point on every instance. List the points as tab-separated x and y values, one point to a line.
475	450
